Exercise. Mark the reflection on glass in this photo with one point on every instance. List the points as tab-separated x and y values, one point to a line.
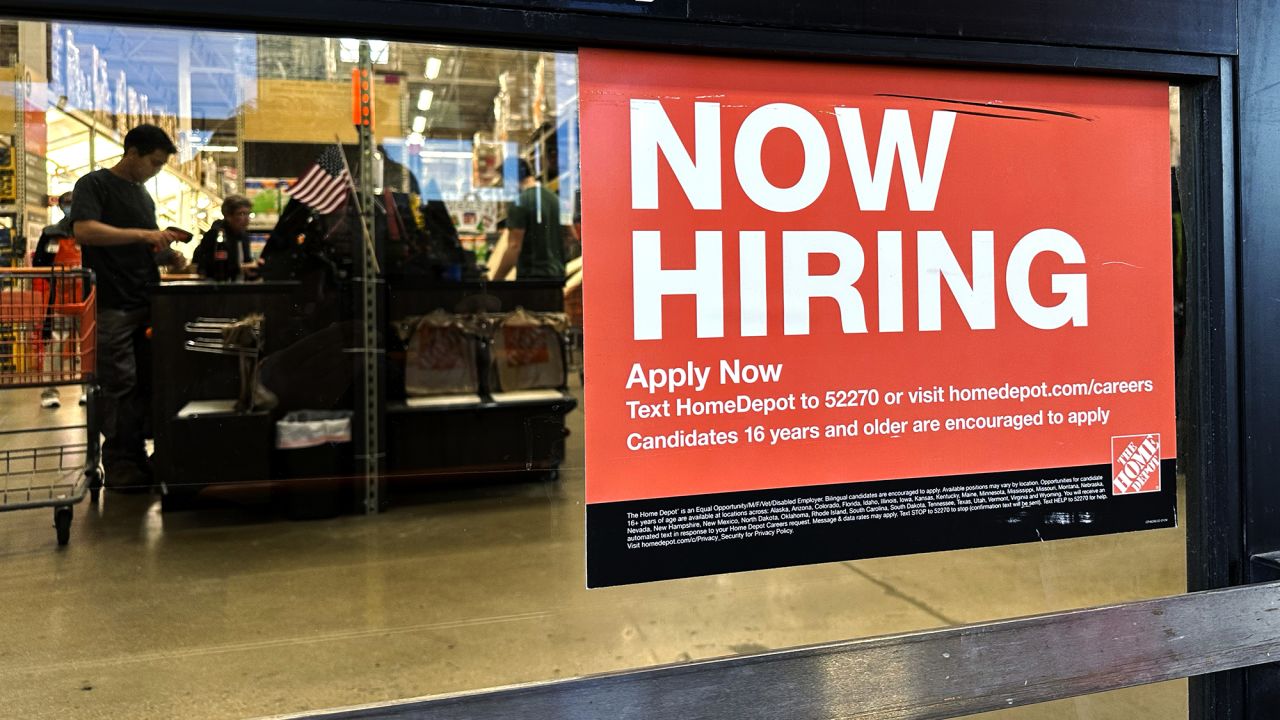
472	575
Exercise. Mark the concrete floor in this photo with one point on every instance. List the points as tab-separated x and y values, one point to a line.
233	612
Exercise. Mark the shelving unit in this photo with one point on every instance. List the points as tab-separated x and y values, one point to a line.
79	143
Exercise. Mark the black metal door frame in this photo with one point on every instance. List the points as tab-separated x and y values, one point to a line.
1214	503
1232	312
1257	137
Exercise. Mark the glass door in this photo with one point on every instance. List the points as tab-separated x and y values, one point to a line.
486	205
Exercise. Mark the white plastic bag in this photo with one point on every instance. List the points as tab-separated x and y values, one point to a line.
312	428
440	357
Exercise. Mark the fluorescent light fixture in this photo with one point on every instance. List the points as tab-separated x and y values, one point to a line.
433	68
414	139
349	51
419	123
443	154
424	99
217	148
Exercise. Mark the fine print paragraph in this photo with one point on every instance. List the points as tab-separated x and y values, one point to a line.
715	523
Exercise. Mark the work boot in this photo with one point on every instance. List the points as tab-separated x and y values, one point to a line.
147	468
126	478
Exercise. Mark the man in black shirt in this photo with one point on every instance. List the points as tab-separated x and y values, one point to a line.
114	220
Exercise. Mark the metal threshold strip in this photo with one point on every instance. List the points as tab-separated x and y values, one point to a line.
933	674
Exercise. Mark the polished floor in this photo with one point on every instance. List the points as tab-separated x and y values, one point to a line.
232	611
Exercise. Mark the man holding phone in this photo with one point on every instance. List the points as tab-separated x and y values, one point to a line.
114	219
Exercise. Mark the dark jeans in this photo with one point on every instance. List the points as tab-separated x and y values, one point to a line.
124	373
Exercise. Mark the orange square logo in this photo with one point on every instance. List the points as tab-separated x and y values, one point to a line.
1135	464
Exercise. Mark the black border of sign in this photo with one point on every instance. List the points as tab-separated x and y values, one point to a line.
610	562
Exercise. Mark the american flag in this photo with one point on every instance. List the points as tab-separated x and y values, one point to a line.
324	185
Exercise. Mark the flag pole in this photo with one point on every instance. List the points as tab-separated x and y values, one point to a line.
355	195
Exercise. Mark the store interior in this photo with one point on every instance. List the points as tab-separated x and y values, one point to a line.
257	580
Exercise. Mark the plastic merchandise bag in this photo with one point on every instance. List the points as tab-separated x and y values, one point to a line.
440	356
528	351
313	428
244	337
244	333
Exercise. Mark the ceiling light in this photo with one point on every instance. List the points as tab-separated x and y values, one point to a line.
446	154
349	51
424	99
433	68
419	124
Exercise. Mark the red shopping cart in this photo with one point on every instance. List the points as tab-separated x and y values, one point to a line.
48	339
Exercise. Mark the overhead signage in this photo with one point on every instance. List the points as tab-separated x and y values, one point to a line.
840	311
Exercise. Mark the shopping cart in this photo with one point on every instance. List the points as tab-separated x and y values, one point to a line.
47	339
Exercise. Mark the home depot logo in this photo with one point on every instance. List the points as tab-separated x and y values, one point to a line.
1135	464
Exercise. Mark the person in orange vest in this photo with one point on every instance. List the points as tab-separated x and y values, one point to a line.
57	247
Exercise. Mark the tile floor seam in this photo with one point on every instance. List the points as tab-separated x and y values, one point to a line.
895	592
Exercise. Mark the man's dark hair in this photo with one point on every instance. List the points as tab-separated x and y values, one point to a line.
148	139
526	170
64	198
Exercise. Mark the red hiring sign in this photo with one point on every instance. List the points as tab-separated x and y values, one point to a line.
808	274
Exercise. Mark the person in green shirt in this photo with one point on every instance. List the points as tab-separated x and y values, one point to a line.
534	245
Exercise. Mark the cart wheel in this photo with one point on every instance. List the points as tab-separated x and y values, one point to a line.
62	523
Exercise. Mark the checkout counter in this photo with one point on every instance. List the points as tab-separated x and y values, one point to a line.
202	441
